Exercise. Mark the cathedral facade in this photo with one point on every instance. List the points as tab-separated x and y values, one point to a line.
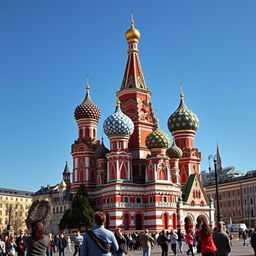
141	181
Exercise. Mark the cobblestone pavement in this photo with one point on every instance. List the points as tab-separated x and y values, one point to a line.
237	250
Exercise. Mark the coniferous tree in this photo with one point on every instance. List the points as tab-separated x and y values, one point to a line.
66	221
81	213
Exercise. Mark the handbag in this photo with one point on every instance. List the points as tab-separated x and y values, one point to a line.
102	245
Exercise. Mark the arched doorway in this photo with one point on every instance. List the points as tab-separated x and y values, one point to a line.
188	223
107	221
174	221
138	222
126	221
165	219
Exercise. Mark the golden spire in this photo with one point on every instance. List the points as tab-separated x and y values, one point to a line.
181	91
87	87
132	33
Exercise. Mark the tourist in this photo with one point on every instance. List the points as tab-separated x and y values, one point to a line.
245	238
50	246
99	241
2	246
253	241
189	242
78	241
162	240
208	247
121	243
62	244
173	237
221	240
11	246
146	241
180	240
20	244
69	242
37	242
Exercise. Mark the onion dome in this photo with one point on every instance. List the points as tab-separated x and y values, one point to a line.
87	109
62	185
174	151
118	123
132	33
183	118
157	139
101	151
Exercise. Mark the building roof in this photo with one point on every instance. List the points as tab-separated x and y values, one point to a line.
15	192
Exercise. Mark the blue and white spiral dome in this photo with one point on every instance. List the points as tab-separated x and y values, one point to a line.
118	123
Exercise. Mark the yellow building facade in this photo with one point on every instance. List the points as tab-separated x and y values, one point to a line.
237	199
14	206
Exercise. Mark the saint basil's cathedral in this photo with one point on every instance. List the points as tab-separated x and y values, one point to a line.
143	180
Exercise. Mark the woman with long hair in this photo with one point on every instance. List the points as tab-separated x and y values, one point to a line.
189	241
37	242
208	247
121	243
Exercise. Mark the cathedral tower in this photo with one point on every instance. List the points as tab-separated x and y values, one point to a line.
183	124
135	103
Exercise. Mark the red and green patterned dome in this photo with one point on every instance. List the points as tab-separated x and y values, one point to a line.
87	109
157	139
183	118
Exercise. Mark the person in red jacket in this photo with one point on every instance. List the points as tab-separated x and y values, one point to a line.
208	247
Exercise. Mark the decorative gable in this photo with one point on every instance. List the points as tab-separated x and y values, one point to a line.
194	193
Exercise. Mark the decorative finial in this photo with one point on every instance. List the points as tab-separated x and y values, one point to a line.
132	20
181	90
87	83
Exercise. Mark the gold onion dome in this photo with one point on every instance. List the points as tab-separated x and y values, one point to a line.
183	118
87	109
62	185
132	33
174	151
157	139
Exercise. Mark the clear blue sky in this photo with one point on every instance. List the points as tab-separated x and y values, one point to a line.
48	47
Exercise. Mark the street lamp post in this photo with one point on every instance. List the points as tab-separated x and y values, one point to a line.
9	218
219	217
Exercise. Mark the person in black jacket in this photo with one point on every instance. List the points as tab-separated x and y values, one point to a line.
20	244
121	243
162	240
253	241
62	244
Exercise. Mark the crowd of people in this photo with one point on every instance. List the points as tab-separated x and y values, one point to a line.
101	242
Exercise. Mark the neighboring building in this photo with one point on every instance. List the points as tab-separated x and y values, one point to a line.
14	205
237	199
60	197
226	174
140	182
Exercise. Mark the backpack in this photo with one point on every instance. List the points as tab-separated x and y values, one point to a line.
160	240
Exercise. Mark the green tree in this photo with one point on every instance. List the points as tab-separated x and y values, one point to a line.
66	220
81	213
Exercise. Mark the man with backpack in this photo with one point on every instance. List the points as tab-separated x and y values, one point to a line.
162	240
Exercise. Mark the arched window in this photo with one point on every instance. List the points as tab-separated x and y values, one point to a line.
164	199
138	200
94	133
193	203
126	199
150	199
